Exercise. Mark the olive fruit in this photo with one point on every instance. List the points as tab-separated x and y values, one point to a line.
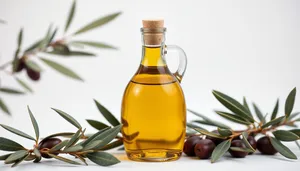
33	75
204	148
48	143
238	154
189	145
252	142
265	147
217	141
20	65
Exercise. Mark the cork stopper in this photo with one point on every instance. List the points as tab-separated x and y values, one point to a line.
155	37
152	24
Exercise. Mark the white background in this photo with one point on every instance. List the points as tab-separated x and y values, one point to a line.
242	48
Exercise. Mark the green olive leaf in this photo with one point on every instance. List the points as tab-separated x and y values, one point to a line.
295	131
112	145
241	149
64	159
61	69
224	132
71	53
246	142
245	104
233	118
191	125
220	150
107	114
71	15
293	115
275	110
97	23
16	156
273	122
23	84
96	124
20	160
74	139
283	150
73	149
33	65
92	138
289	103
59	146
283	135
9	145
17	132
102	158
107	136
46	40
233	105
259	113
68	118
93	44
297	144
10	91
5	156
20	38
211	134
33	46
34	123
3	107
60	134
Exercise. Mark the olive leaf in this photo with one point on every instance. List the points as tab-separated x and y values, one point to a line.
9	145
46	40
245	104
233	105
3	107
20	38
38	156
34	123
16	156
5	156
64	159
52	35
96	124
82	159
23	84
68	117
289	103
73	148
259	113
297	144
70	53
211	134
61	69
273	122
92	145
241	149
246	142
74	139
107	114
17	132
34	46
283	135
59	146
93	44
107	136
112	145
220	150
71	15
60	134
208	121
97	23
233	118
295	131
33	65
190	125
20	160
102	158
275	110
283	150
10	90
293	115
92	138
224	132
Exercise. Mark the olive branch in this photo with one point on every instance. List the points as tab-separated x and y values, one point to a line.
25	59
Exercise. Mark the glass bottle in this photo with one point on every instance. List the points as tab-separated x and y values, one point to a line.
153	107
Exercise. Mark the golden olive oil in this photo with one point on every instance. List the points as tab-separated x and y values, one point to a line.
153	111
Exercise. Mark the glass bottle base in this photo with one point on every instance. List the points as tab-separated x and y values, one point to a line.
153	155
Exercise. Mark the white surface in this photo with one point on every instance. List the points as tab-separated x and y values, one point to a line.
239	47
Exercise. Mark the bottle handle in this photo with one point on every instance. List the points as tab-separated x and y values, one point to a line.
182	60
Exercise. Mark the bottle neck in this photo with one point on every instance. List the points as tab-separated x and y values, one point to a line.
153	56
